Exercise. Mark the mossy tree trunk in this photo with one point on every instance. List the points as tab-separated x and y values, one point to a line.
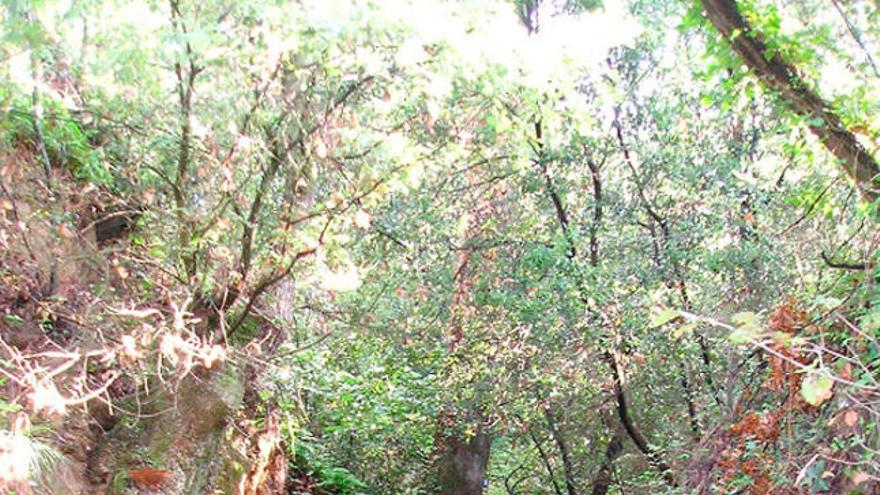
779	75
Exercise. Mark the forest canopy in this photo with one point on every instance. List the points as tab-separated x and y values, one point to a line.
453	247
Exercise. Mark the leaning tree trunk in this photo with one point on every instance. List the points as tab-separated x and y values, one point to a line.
782	77
462	464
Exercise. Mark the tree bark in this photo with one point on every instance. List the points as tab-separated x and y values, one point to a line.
546	460
630	426
462	464
604	478
567	464
596	179
782	77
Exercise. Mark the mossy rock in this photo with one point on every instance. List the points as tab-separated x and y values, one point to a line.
183	432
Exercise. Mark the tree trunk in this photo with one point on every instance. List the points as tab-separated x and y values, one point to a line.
782	77
632	430
604	478
567	464
462	464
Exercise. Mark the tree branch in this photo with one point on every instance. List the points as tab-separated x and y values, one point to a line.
845	265
780	76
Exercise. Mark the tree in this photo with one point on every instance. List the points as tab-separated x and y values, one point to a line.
780	76
494	247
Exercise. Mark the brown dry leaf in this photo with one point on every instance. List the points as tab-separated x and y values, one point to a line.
851	417
213	355
5	204
149	478
223	224
846	371
336	198
65	232
860	477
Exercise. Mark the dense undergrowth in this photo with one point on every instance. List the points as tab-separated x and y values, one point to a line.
509	247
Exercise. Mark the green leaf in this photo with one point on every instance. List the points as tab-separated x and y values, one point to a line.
816	389
745	319
816	122
663	317
827	302
13	319
741	335
683	329
747	325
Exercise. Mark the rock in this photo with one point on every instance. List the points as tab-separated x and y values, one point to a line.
184	433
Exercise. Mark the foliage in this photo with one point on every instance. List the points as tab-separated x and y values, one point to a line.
584	230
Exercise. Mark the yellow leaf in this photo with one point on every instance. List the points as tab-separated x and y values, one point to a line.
816	389
663	316
683	329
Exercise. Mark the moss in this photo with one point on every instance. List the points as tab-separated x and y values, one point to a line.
161	440
119	483
202	467
235	467
247	332
188	438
